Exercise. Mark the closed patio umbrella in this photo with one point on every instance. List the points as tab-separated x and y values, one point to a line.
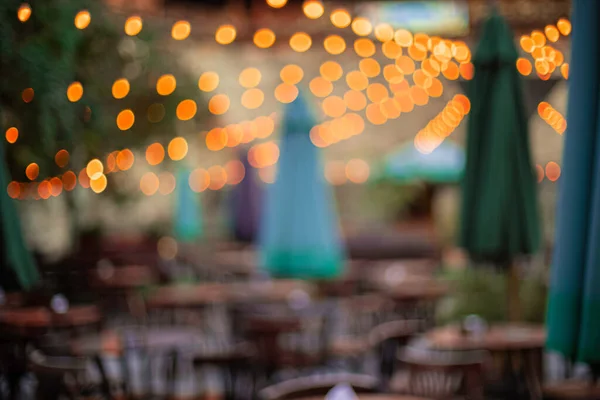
245	202
187	224
574	304
499	218
16	258
300	237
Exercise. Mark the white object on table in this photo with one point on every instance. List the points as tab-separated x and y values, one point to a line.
341	391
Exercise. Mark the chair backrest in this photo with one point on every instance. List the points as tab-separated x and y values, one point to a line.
317	385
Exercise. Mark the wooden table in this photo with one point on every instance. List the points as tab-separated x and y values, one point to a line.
515	341
26	319
498	338
199	295
123	277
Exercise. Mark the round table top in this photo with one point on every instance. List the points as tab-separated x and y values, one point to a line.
43	317
189	295
416	288
115	341
123	277
497	338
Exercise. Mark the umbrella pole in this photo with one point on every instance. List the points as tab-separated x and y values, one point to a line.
512	292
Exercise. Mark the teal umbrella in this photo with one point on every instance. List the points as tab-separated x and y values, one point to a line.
16	258
187	225
499	218
445	164
299	235
574	304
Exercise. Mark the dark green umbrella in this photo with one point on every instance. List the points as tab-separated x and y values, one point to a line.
574	304
16	257
499	205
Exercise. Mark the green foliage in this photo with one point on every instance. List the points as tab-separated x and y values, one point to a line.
482	291
48	53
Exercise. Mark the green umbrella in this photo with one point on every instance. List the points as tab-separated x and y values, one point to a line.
187	224
574	301
15	254
499	206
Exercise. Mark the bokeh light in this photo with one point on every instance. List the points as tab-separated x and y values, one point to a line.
357	80
69	180
334	44
186	110
32	171
357	171
467	71
166	84
291	74
44	190
219	104
390	108
250	77
320	87
335	172
405	64
376	92
553	171
155	153
149	183
166	183
199	180
364	47
125	159
234	134
564	26
111	162
564	71
208	81
13	189
313	9
253	98
391	50
225	34
374	115
82	19
300	42
340	18
235	172
156	112
120	88
334	106
355	100
24	12
12	134
524	66
84	179
392	74
94	169
527	43
362	26
403	38
61	158
539	172
286	93
436	89
74	92
218	177
276	3
27	95
264	38
98	185
384	32
133	25
216	139
181	30
125	120
552	33
177	149
331	71
263	155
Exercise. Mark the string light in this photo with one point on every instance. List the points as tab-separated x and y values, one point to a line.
125	120
133	25
94	169
264	38
12	134
300	42
362	26
313	9
331	71
286	93
291	74
32	171
186	110
120	88
82	19
219	104
334	44
166	84
276	3
225	34
208	81
181	30
177	149
24	12
155	154
340	18
552	117
98	185
62	158
250	77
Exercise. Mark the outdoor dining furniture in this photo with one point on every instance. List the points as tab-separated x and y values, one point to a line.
520	345
571	390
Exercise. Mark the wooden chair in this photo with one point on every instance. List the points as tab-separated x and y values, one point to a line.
317	385
440	374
